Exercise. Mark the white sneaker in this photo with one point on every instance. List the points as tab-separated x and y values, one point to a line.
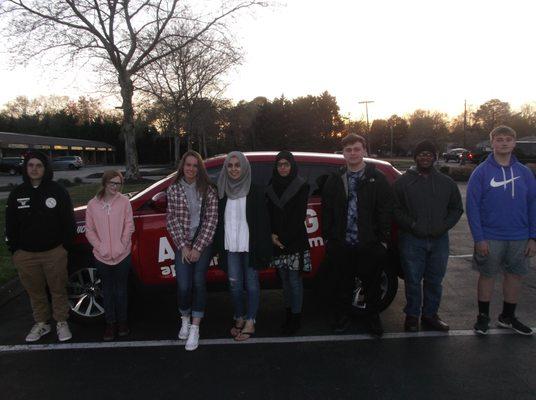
64	333
39	330
193	338
185	328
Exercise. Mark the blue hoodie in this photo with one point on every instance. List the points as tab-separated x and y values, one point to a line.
501	201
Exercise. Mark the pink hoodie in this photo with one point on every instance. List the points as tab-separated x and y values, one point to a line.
109	228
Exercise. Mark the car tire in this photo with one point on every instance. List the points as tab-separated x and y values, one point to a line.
71	166
84	290
389	285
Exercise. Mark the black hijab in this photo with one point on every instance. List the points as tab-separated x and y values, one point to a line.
281	183
282	189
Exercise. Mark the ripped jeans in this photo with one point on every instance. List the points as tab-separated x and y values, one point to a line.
242	276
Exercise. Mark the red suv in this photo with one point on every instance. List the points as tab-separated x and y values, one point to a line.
153	252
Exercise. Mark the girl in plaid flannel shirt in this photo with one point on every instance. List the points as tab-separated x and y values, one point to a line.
192	216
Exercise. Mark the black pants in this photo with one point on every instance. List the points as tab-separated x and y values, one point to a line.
347	263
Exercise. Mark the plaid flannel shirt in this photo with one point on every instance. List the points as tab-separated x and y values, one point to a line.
178	218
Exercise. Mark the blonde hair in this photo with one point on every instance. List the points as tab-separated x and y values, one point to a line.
107	176
502	130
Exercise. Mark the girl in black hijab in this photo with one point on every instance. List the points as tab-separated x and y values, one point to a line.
287	204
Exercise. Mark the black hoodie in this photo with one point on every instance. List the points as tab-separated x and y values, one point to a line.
427	207
39	218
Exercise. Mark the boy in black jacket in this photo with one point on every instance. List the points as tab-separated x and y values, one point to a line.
356	225
39	227
427	205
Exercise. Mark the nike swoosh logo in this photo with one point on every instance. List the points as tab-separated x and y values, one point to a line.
494	183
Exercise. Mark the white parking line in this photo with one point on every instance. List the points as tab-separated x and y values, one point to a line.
220	342
461	256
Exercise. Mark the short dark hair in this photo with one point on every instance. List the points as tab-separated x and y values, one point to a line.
352	138
502	130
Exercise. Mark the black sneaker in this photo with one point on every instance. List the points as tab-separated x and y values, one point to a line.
375	325
342	324
514	324
482	324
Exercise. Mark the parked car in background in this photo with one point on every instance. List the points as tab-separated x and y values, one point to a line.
67	162
153	251
525	151
454	154
11	165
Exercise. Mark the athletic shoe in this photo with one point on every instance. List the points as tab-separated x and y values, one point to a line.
39	330
63	331
482	324
193	338
185	328
411	323
514	324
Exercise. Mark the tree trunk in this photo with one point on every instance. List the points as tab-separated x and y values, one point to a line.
177	150
127	129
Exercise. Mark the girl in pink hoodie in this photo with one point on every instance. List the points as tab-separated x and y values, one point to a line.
109	227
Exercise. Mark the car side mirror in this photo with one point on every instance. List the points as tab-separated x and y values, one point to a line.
159	202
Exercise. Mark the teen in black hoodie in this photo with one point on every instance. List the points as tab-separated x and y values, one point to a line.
39	227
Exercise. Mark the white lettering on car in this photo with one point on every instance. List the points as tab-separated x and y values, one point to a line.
311	221
80	229
165	251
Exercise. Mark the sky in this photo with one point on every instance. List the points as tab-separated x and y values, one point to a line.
403	55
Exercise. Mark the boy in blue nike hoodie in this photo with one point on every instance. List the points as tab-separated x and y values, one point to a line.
501	210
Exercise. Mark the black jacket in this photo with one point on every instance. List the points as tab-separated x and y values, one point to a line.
429	206
288	222
374	207
41	218
260	241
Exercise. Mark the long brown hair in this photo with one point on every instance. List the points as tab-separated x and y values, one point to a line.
203	181
107	176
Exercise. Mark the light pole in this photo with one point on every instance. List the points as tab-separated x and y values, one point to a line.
366	103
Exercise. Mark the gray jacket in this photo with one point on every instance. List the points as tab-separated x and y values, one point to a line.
426	207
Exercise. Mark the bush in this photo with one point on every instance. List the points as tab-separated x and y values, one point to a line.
460	174
65	182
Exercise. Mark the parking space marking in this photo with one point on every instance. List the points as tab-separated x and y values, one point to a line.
220	342
461	256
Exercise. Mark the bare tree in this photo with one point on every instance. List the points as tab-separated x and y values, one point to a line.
187	82
122	34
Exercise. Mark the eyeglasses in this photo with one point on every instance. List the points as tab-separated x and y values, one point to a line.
115	184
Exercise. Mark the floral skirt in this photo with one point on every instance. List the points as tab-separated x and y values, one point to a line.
300	261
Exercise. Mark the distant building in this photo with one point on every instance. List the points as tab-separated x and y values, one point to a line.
92	152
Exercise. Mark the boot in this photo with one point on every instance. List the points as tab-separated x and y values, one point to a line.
288	316
294	324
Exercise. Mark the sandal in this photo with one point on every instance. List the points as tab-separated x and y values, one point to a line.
243	336
237	328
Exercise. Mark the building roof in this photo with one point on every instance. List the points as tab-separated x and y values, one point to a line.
8	138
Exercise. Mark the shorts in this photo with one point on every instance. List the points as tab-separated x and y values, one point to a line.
504	256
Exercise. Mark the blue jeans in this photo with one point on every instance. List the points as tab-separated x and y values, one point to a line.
242	275
191	284
292	289
114	289
424	262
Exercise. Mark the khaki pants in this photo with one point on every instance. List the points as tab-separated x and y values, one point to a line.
37	270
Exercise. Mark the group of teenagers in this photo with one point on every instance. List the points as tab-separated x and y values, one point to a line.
251	228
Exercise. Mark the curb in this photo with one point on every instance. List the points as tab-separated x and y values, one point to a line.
10	290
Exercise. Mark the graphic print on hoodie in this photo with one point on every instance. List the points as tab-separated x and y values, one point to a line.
501	201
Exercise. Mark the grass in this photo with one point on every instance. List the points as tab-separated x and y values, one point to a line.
80	195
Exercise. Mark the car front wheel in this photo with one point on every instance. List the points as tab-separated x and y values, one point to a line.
388	286
84	289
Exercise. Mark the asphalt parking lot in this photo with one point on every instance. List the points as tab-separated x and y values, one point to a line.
314	365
